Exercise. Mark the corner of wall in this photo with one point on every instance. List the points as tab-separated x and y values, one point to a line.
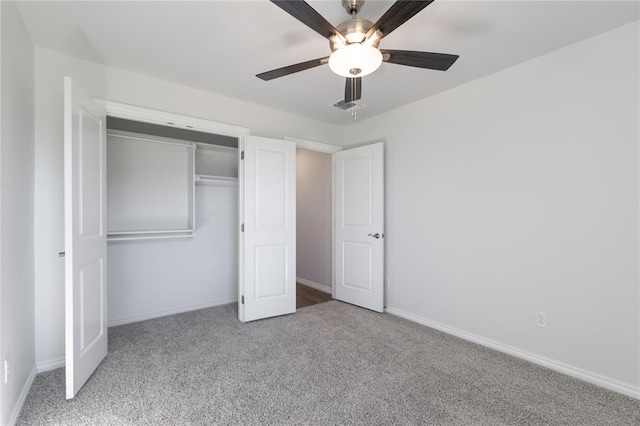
1	281
17	407
17	333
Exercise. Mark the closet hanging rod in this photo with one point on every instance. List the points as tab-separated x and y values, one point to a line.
215	147
211	178
150	232
148	237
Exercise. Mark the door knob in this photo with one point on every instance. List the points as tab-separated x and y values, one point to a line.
376	235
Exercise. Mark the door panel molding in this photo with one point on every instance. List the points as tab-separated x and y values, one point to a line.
85	236
268	232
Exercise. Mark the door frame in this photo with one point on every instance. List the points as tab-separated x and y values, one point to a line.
167	119
162	118
327	149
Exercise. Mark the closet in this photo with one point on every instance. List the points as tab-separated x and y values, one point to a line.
172	220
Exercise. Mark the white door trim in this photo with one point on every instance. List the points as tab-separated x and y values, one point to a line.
147	115
163	118
314	146
302	144
327	149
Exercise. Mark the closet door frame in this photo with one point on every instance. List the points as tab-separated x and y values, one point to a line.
146	115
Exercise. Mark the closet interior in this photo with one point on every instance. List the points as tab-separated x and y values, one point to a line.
172	220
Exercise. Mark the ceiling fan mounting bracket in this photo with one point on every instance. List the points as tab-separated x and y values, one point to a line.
352	6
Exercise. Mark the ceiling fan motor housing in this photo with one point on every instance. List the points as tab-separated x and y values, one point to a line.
354	31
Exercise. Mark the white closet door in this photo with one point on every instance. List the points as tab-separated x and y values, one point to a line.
359	226
85	236
268	243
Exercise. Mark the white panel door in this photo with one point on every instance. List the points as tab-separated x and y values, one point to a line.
359	226
85	236
268	243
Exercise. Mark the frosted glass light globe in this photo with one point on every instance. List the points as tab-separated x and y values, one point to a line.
355	60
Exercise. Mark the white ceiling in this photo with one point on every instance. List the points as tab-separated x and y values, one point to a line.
219	46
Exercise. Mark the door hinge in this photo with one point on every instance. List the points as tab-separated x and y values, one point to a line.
242	155
242	228
242	298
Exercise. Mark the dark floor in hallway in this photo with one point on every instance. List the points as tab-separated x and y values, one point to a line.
307	296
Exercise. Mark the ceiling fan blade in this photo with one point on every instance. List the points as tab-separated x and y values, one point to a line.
304	13
432	61
352	89
399	13
291	69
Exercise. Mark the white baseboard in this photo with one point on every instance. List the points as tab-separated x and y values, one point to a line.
173	311
23	396
311	284
596	379
50	365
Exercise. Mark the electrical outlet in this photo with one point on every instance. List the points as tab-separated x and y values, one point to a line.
541	319
6	371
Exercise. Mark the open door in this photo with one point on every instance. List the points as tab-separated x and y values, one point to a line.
359	226
85	236
268	230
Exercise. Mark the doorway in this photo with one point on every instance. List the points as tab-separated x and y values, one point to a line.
313	227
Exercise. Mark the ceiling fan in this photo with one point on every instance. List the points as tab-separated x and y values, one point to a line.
354	43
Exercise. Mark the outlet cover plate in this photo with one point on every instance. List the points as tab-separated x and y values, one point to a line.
542	319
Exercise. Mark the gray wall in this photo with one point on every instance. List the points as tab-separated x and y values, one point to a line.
516	193
313	226
16	210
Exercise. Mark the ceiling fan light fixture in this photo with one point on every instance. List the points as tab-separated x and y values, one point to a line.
355	60
355	37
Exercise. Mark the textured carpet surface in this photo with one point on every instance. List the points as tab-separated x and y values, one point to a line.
329	364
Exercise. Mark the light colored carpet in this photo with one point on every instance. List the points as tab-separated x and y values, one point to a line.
329	364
